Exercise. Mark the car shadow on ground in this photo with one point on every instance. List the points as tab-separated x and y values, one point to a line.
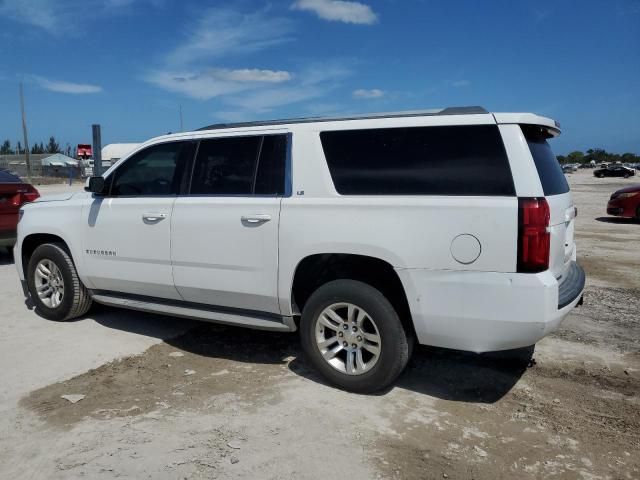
140	323
438	372
6	258
618	220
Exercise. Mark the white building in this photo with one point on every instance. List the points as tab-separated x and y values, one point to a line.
115	151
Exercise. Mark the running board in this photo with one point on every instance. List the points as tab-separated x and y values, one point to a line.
258	322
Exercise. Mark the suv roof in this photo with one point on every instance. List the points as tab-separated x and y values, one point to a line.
553	127
408	113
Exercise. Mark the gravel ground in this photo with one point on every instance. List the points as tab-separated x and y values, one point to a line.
164	398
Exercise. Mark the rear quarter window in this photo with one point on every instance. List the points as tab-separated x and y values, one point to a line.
549	170
442	160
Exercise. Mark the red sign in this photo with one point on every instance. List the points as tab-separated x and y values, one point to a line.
84	151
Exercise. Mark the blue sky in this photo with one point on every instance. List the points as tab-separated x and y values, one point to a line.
130	64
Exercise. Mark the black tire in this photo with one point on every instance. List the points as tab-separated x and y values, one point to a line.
395	345
626	175
600	175
76	300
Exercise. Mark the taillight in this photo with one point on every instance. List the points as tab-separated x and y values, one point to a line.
25	196
534	241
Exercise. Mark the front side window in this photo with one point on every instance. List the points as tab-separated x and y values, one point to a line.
240	166
155	171
439	160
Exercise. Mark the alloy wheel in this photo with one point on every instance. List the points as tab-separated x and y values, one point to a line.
348	338
49	283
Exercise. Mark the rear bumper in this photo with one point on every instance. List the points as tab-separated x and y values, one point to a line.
488	311
571	285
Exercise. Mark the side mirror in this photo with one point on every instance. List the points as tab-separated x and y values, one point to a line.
96	185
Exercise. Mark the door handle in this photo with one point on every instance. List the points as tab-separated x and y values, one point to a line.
255	219
153	217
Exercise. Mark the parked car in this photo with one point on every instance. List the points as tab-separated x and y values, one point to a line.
614	171
569	168
365	233
13	194
625	202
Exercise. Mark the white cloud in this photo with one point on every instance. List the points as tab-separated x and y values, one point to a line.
215	82
311	83
338	11
461	83
253	75
362	93
65	87
221	32
40	13
63	17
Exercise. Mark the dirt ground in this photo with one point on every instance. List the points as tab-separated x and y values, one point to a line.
221	402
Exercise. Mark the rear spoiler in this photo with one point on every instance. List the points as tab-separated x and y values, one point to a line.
552	126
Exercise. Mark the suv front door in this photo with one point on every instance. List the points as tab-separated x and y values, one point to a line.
224	235
126	241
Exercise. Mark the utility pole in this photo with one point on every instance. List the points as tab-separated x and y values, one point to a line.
24	134
97	150
181	129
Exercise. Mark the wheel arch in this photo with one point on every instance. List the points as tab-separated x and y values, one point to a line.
34	240
317	269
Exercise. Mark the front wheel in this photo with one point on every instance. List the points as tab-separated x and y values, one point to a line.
353	336
54	285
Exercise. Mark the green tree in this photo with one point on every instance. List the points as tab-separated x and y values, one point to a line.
5	149
576	157
37	148
52	146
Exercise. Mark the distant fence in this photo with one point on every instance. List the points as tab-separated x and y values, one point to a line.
52	172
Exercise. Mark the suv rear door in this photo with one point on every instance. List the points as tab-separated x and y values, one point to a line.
556	191
224	235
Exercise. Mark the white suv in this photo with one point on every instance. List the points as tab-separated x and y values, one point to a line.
451	228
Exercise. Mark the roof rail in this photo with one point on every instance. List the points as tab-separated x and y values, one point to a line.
408	113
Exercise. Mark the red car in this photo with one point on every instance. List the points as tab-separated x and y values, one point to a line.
13	194
625	203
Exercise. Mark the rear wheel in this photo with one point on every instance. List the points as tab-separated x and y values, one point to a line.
54	285
353	336
626	175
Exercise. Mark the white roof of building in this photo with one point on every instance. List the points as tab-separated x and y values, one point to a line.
115	151
59	160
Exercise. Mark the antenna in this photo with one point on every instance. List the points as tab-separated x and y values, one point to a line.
24	134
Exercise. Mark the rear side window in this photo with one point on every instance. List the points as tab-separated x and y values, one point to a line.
270	174
549	170
6	177
240	166
448	160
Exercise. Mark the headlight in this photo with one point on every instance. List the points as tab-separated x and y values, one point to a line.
627	195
